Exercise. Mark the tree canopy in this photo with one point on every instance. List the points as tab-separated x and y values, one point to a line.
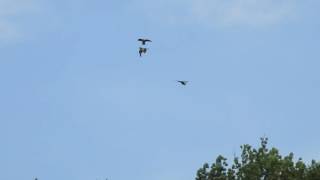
260	164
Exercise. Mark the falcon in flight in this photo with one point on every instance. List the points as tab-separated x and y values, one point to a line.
142	50
143	41
183	82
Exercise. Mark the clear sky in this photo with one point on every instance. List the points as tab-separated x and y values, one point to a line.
78	103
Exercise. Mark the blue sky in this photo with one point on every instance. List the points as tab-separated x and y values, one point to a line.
78	103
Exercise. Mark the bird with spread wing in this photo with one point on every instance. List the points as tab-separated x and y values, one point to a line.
183	82
143	41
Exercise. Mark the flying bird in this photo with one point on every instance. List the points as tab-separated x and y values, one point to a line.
143	41
142	50
183	82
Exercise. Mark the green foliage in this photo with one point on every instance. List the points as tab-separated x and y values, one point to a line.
313	171
260	164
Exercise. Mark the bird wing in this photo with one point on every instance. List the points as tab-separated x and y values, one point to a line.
140	39
148	40
183	82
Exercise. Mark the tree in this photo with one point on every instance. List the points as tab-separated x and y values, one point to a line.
313	172
259	164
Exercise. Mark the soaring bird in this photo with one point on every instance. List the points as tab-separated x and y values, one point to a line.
142	50
183	82
143	41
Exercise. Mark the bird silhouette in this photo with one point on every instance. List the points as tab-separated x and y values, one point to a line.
142	50
183	82
143	41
